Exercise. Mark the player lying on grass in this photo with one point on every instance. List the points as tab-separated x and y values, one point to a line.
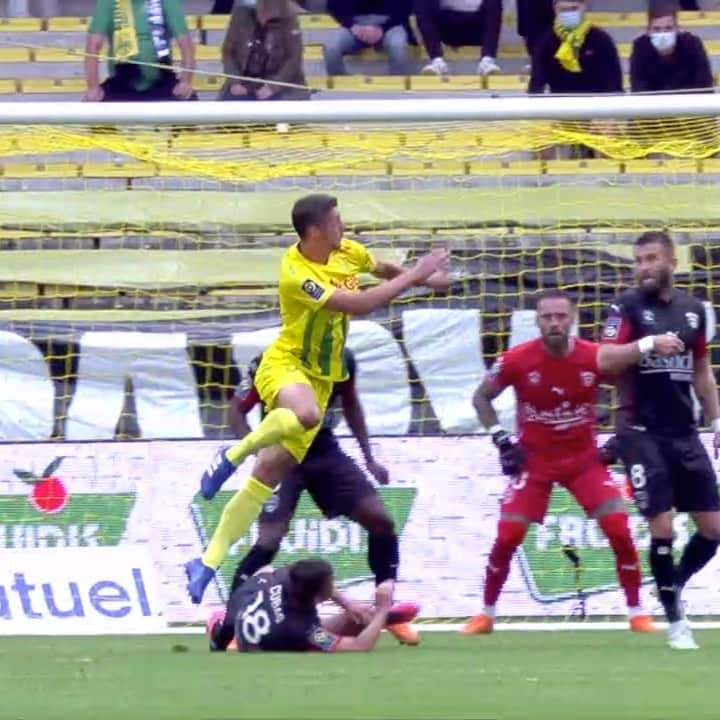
556	378
337	484
657	437
318	292
277	611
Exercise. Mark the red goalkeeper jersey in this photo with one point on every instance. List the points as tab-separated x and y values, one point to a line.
555	398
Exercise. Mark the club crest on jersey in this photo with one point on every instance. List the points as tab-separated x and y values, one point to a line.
648	317
534	377
351	282
693	320
322	638
311	288
612	327
587	378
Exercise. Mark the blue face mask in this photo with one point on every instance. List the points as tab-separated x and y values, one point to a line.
249	3
570	19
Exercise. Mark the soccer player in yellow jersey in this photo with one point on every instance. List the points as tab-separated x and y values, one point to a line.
318	291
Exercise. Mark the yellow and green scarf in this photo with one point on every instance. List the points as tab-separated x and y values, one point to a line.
125	43
568	54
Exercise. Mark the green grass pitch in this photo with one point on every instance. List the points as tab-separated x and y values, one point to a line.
506	676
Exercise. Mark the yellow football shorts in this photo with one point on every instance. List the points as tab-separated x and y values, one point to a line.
276	372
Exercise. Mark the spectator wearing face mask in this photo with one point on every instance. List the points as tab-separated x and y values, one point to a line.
575	57
666	59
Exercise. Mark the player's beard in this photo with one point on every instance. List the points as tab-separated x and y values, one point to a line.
558	344
662	282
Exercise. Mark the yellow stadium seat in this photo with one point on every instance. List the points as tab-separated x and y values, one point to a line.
8	86
665	166
318	82
117	170
710	166
202	52
52	85
68	24
417	168
317	22
213	22
21	24
496	168
56	55
18	291
40	170
14	55
343	169
369	82
595	166
207	82
506	83
445	82
76	291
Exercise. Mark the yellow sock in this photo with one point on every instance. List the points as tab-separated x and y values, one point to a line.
277	425
237	517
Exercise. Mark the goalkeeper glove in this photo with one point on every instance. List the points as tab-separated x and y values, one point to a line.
511	455
609	452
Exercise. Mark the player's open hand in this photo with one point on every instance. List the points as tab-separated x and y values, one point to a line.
384	595
379	472
668	344
429	264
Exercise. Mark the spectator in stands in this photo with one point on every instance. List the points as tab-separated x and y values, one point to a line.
689	5
369	23
139	33
264	42
534	19
575	56
222	7
457	23
665	59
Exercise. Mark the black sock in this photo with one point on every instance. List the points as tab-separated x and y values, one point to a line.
662	566
383	556
257	557
222	634
697	554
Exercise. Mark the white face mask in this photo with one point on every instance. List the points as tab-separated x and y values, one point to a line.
663	41
570	19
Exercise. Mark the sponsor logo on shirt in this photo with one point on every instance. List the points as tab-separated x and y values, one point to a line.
311	288
587	378
679	367
648	317
322	638
693	320
534	377
562	417
351	282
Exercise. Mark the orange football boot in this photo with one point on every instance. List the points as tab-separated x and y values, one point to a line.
404	633
643	624
479	625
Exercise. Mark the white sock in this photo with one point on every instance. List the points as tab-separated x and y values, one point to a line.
490	611
635	611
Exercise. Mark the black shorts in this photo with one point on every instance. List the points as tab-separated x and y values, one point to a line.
668	472
334	480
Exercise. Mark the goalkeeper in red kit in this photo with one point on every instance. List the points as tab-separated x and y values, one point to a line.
556	378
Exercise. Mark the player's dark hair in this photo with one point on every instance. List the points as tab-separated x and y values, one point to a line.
309	578
310	211
553	294
656	236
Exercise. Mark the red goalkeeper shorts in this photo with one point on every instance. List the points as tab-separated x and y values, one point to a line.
528	494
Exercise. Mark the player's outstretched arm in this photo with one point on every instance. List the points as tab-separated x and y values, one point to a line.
613	359
387	270
365	302
368	638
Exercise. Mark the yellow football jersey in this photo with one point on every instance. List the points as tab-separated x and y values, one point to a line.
310	333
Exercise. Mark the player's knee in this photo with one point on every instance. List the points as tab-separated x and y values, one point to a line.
309	416
271	538
511	533
617	530
380	524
